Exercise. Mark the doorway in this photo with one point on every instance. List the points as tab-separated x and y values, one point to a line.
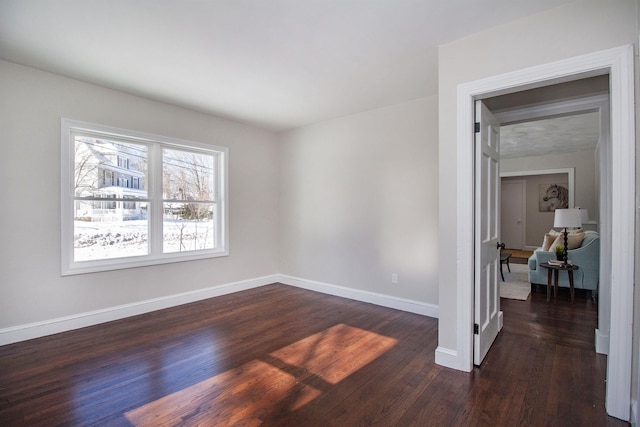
584	105
620	161
513	194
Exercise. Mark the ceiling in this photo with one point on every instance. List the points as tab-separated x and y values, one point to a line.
278	64
555	135
551	132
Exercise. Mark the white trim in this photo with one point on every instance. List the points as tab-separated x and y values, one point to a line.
623	159
604	204
465	234
602	342
61	324
67	323
618	63
552	109
389	301
447	357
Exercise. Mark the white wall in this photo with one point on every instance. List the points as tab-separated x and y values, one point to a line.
567	31
31	287
358	201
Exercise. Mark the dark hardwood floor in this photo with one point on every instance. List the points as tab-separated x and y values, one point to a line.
279	355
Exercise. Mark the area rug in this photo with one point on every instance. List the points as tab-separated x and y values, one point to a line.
516	283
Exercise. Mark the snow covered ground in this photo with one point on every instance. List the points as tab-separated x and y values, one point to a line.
100	240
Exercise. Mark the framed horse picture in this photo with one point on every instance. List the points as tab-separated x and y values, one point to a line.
552	197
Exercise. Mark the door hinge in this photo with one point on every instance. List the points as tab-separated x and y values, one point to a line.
476	329
476	127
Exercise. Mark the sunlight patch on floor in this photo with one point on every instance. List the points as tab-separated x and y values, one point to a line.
335	353
244	395
238	395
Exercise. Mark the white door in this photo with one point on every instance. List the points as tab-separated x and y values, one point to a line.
512	203
487	314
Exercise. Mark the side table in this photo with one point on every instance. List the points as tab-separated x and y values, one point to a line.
556	268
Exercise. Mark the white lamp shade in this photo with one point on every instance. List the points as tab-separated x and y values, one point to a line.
565	218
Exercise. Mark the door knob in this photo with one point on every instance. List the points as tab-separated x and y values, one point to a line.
500	245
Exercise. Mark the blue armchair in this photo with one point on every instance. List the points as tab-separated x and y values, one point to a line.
586	257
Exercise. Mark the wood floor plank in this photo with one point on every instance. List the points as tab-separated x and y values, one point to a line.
282	356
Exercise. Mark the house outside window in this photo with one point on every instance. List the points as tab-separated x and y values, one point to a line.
131	199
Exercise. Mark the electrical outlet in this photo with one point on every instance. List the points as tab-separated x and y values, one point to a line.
394	278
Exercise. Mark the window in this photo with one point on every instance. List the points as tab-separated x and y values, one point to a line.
131	199
123	162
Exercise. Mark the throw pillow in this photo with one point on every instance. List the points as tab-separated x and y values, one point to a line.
548	241
552	235
558	241
576	231
574	240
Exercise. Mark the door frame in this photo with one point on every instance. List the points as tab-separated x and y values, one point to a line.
618	64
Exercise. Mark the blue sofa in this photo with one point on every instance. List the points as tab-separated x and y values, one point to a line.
586	257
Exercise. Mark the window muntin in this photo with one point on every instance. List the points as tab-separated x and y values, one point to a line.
132	199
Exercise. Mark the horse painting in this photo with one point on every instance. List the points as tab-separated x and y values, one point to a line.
553	196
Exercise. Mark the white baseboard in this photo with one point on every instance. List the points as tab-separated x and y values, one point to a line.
530	248
411	306
447	358
602	342
61	324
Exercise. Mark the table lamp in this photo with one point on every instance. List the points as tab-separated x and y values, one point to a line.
565	218
584	216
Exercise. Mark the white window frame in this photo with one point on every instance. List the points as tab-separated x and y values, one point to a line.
155	143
